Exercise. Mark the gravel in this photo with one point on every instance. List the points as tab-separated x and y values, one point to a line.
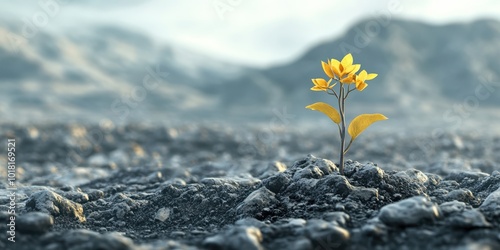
200	187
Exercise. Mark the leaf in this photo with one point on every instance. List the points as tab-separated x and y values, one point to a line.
361	122
326	109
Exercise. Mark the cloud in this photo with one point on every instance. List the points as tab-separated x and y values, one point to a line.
255	32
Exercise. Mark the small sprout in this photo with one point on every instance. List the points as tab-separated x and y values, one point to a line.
344	72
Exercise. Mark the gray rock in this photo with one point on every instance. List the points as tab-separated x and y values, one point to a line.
374	227
363	194
292	243
452	207
256	202
336	184
413	175
76	196
369	174
88	240
236	238
54	204
234	181
458	175
491	205
250	222
409	212
462	194
468	219
340	218
162	214
34	222
312	167
277	183
326	234
309	172
95	195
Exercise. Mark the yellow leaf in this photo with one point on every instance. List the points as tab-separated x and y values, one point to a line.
326	109
361	122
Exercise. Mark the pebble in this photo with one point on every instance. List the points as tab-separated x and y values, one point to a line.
49	202
256	202
86	239
452	207
340	218
409	212
462	194
469	219
491	205
248	238
413	175
34	222
163	214
363	194
277	183
326	234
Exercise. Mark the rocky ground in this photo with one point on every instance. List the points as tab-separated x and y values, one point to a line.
220	187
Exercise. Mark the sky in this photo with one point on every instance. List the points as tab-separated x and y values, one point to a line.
252	32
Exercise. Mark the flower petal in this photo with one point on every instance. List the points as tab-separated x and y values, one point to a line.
356	68
361	85
320	82
327	69
362	75
335	64
349	69
371	76
349	79
316	88
347	60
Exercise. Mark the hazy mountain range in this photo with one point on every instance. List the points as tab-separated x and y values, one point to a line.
108	73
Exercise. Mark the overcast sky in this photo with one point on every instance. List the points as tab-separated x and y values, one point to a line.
252	32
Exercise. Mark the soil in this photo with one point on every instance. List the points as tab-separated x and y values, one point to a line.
228	187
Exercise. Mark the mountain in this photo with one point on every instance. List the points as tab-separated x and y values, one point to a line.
422	69
425	71
103	73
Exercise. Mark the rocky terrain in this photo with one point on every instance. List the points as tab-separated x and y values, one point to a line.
228	187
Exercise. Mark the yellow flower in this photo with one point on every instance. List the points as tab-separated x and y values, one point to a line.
327	68
321	84
362	77
351	78
344	67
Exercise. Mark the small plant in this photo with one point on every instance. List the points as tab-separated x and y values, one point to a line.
344	75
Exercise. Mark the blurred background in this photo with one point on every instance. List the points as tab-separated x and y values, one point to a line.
238	61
